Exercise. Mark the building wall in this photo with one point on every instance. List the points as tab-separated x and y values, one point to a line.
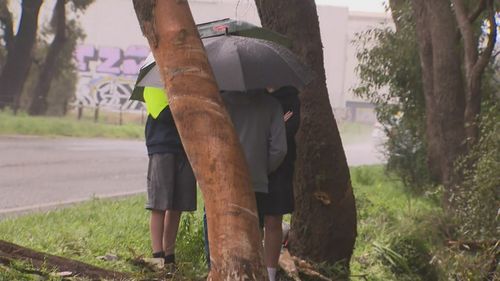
112	52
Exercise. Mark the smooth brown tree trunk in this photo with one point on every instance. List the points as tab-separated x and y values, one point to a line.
324	222
39	102
19	59
208	137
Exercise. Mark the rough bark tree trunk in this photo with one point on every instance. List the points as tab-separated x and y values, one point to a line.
443	86
453	98
19	59
208	137
324	221
39	102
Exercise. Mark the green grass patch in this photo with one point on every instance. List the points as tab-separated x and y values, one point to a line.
23	124
396	231
100	227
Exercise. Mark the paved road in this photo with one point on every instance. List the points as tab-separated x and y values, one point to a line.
40	173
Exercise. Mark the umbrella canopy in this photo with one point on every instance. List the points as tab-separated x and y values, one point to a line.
240	28
240	64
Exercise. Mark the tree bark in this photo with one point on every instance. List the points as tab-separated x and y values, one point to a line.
422	18
10	253
39	102
18	62
324	222
443	88
474	63
208	137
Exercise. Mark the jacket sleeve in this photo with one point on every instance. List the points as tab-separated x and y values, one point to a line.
277	140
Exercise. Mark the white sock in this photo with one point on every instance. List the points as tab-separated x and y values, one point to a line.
271	271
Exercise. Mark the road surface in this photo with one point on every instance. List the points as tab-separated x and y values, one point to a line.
42	173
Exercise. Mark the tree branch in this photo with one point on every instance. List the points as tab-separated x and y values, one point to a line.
485	56
467	32
6	23
477	11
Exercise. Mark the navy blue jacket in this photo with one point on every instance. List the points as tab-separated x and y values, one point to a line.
162	135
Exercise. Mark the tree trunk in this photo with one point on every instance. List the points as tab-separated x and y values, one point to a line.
474	64
11	253
443	87
16	69
324	222
39	102
208	137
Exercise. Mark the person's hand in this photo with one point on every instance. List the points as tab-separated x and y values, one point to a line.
287	115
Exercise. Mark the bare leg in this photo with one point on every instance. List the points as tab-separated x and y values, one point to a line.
172	219
272	240
156	230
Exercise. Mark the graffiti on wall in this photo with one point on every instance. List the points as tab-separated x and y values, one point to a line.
107	76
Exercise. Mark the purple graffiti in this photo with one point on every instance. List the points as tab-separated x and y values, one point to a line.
83	54
111	59
134	57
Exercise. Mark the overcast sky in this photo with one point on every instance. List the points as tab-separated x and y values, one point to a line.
357	5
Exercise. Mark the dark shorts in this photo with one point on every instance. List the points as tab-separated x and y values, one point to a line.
171	183
280	199
260	200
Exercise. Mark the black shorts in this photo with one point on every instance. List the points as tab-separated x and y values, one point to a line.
280	199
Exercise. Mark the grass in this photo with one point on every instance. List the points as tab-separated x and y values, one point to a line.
99	227
23	124
388	215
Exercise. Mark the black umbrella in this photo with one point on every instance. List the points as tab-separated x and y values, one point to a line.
240	64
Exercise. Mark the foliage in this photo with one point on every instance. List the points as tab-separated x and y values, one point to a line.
478	197
396	239
390	73
63	86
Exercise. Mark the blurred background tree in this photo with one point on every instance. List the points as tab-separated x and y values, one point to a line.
51	78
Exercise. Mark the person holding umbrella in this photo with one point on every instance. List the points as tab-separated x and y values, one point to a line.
171	185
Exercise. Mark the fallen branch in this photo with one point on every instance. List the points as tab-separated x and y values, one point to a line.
292	265
10	252
473	245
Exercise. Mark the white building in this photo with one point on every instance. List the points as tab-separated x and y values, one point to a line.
111	53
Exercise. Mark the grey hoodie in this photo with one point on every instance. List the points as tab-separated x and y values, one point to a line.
258	120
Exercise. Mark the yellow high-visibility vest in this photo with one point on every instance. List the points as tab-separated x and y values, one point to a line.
156	100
